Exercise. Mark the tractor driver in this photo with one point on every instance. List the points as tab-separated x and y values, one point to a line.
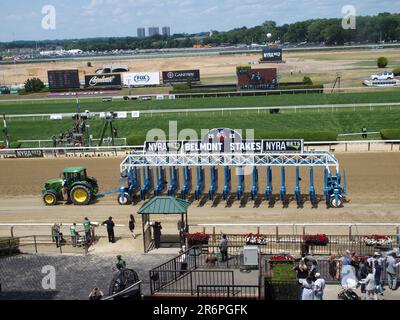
64	189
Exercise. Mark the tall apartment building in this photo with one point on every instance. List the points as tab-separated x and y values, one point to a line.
141	32
153	31
166	31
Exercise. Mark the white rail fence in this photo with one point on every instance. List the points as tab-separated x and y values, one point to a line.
330	146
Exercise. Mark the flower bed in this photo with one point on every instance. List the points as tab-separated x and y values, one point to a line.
198	238
316	240
256	239
377	241
281	258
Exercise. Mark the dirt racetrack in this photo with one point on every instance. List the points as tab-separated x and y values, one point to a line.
372	180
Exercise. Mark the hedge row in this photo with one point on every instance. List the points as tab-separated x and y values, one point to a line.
8	245
306	135
390	134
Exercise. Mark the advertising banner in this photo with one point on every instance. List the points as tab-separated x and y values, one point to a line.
181	76
103	80
29	153
141	79
244	146
272	55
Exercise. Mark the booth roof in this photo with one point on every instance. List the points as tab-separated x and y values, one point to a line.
164	205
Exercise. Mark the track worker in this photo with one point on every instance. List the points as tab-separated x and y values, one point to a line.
74	234
64	189
131	224
86	228
364	133
110	229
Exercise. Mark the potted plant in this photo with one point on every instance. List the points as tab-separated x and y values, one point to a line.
316	240
198	239
377	240
273	260
256	239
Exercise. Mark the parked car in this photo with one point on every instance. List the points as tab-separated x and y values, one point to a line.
383	76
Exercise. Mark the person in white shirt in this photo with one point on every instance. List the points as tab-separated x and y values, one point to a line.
370	285
308	291
319	287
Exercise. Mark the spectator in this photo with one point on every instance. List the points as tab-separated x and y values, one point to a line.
132	225
121	264
96	294
56	234
363	273
183	261
378	277
86	228
319	287
333	267
74	234
398	239
307	289
370	285
110	229
157	234
301	271
391	270
223	248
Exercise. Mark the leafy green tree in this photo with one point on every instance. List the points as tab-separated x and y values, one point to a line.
34	85
307	81
382	62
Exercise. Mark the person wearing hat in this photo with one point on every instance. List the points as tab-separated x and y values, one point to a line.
319	287
110	229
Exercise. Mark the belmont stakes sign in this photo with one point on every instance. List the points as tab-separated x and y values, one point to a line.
29	153
225	140
245	146
106	80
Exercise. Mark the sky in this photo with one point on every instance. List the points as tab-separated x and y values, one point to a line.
23	19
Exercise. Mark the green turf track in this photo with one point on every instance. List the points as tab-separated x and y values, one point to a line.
95	105
340	120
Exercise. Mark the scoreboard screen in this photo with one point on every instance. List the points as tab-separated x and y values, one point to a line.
63	79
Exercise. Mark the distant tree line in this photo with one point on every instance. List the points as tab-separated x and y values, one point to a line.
369	29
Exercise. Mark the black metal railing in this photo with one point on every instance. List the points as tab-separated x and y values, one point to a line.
294	244
186	281
241	292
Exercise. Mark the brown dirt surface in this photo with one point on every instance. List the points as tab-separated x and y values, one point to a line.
372	179
326	63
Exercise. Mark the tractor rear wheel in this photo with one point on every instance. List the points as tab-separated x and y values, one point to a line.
80	195
124	201
50	198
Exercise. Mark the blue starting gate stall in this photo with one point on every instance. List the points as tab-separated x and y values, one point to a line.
201	183
213	183
254	187
241	186
187	182
231	152
227	182
161	181
174	181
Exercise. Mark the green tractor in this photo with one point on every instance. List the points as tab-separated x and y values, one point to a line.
79	188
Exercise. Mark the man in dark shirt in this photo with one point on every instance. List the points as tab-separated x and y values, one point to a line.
110	229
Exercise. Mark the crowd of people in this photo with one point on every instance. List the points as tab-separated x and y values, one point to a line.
85	236
353	272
